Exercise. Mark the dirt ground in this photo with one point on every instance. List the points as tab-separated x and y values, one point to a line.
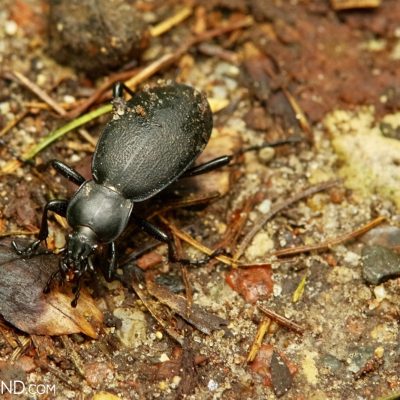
302	298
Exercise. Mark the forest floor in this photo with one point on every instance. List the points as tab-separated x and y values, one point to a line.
303	301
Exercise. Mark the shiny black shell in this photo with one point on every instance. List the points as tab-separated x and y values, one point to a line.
152	141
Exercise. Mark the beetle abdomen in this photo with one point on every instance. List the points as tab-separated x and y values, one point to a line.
160	134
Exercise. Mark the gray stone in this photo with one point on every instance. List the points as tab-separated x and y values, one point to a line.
379	264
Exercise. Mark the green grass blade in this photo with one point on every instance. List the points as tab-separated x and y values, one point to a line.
55	135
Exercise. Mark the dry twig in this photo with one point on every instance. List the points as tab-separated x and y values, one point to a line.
330	242
166	25
188	239
145	298
74	356
40	93
13	123
258	339
276	208
281	320
98	94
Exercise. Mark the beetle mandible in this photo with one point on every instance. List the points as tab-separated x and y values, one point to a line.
152	140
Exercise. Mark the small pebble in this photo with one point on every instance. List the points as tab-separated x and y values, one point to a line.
380	292
265	206
159	335
260	245
41	79
69	99
379	352
10	27
133	329
212	385
164	357
266	154
176	380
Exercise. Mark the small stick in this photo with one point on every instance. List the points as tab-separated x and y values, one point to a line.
218	51
20	350
188	239
170	22
184	274
281	320
59	374
76	360
188	288
13	123
207	35
257	342
40	105
152	69
87	136
299	113
8	336
237	221
330	242
120	76
146	302
39	93
298	293
392	396
278	208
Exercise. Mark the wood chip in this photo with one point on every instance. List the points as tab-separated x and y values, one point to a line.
348	4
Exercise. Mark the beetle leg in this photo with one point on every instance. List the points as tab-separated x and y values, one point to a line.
82	267
51	279
208	166
225	160
118	90
76	290
113	263
60	272
60	208
68	172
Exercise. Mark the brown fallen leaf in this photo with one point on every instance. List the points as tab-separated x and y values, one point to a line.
24	305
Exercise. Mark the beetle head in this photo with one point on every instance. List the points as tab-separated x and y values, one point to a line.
81	245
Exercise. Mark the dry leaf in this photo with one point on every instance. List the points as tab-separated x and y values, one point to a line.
24	305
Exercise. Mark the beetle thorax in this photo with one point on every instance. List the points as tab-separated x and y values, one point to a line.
103	210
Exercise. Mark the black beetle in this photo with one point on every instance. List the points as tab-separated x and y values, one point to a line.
151	141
